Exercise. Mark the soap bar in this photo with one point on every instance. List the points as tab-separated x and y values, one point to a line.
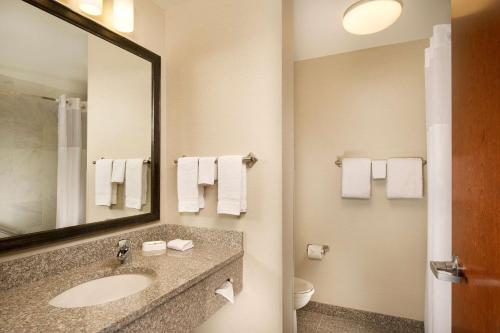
154	246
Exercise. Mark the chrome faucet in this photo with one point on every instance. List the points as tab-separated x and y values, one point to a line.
124	250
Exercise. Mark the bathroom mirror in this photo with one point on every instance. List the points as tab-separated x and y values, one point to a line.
73	92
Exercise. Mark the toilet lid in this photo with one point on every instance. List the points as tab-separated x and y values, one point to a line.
301	286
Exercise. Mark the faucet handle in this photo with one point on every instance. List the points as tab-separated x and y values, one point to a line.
124	244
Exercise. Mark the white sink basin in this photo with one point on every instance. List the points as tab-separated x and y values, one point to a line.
103	290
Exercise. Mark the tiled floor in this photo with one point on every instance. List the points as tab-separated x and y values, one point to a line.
314	322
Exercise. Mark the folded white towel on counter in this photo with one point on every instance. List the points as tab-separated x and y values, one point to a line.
379	169
134	183
188	194
103	188
231	186
180	244
118	174
404	178
356	178
207	171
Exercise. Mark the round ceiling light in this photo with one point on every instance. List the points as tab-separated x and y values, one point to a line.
370	16
91	7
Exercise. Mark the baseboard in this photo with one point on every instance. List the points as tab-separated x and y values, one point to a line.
398	324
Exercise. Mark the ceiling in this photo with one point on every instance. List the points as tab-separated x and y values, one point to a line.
318	27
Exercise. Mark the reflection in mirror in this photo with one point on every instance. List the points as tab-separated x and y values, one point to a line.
68	98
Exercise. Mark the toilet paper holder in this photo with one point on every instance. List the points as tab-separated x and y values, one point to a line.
325	248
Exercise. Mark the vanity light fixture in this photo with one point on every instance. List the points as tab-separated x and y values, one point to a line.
123	15
370	16
91	7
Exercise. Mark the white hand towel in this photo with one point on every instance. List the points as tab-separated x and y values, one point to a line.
232	195
188	195
114	193
180	244
379	169
356	178
117	177
404	178
118	174
144	194
206	171
134	183
103	188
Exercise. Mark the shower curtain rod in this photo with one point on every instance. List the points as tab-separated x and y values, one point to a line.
338	162
83	103
30	95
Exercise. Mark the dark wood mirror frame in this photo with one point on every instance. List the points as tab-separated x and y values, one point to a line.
38	238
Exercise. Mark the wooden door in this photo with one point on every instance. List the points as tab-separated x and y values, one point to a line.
476	163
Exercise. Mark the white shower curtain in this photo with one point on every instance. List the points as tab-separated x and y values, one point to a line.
70	207
438	120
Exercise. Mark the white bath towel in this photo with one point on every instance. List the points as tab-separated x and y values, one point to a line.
404	178
103	188
356	178
206	171
134	182
118	174
180	244
231	186
379	169
188	195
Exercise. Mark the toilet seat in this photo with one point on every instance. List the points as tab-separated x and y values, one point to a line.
301	286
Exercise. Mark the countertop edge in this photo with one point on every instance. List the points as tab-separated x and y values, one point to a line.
117	325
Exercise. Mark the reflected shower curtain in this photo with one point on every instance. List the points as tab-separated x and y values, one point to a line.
70	207
438	121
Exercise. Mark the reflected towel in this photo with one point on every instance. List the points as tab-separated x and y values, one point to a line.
134	183
103	188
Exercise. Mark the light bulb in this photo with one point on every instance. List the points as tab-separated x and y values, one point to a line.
123	15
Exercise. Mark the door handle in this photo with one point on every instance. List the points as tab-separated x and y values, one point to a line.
447	270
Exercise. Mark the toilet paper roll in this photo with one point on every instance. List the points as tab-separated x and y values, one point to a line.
315	251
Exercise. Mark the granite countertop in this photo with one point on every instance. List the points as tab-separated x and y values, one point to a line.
25	308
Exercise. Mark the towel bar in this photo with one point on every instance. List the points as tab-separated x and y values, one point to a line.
250	160
338	162
148	161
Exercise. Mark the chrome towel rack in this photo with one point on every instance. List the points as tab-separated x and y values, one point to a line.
250	159
148	161
338	162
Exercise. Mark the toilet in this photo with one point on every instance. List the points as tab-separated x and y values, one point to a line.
302	293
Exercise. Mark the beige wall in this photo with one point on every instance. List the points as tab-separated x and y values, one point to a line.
365	103
118	119
224	65
288	167
149	24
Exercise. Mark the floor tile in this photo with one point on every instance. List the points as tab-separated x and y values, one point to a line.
313	322
308	321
